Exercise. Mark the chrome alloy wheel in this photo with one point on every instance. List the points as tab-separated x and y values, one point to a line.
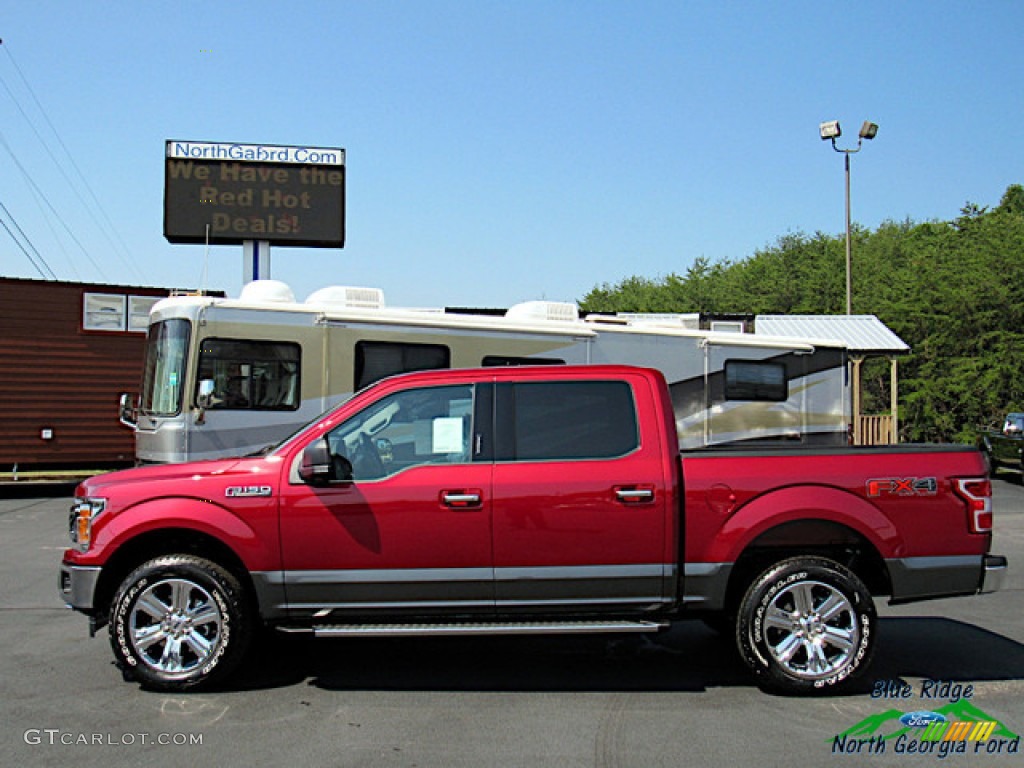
175	626
811	629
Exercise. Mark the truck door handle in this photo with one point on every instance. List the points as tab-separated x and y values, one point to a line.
634	495
462	499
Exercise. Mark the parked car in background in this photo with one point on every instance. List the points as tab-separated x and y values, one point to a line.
1004	449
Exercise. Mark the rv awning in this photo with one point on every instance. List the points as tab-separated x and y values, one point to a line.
862	334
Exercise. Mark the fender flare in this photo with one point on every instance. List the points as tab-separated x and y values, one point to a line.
805	503
189	514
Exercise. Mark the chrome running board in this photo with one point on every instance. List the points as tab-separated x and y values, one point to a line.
484	628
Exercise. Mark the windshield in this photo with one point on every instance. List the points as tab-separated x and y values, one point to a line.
164	376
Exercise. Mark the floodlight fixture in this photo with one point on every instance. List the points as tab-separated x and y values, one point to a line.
830	130
869	130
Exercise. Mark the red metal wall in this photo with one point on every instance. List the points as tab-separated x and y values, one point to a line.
56	376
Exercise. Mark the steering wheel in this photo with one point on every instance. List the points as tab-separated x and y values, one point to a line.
366	463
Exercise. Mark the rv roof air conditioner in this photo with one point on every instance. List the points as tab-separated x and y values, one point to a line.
267	292
557	311
348	297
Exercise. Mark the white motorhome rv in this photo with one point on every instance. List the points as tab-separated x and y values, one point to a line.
229	376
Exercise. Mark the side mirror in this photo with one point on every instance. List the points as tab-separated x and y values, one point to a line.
319	467
127	412
204	398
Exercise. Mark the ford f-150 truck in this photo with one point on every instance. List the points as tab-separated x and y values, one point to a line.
523	500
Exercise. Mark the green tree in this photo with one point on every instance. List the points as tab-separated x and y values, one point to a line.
954	291
1013	200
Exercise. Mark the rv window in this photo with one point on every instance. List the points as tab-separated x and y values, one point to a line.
498	360
565	420
164	377
755	380
250	375
376	360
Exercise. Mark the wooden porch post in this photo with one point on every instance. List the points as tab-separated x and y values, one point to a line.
858	436
894	392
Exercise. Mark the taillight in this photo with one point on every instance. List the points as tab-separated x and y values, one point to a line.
977	492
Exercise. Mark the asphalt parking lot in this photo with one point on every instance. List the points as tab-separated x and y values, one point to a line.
681	699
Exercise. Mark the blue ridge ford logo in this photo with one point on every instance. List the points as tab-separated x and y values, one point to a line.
957	728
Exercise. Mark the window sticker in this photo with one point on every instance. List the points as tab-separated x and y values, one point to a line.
447	436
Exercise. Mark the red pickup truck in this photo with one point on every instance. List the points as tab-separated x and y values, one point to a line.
523	500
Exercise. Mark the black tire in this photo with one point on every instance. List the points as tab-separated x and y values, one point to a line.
807	625
178	622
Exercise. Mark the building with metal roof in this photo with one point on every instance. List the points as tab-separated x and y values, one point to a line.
865	336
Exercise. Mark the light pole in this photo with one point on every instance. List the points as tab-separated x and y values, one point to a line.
831	130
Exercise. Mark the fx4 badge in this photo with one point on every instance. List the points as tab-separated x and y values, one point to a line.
903	486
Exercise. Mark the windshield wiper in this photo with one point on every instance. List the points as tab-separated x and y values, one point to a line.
260	452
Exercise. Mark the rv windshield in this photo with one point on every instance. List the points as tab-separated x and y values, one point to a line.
164	376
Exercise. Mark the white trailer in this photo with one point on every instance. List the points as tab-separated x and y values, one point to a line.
230	376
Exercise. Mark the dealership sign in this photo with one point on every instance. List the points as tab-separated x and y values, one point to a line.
230	193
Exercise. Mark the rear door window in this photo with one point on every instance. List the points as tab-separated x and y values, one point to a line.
550	421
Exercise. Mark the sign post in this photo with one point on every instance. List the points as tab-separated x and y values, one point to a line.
255	260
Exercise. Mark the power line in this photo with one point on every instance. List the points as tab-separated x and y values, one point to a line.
35	195
27	254
56	238
38	256
49	205
109	230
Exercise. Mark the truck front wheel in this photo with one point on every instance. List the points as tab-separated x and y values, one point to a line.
179	622
806	624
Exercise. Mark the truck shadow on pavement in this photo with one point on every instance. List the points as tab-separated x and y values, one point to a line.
688	658
945	649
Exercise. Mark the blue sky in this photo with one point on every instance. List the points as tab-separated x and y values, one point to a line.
504	151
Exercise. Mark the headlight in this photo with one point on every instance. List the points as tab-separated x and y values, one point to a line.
83	512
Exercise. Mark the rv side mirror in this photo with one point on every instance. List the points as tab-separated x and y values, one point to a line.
127	412
204	399
318	467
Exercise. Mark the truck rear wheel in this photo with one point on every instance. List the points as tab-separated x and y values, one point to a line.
806	624
179	622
